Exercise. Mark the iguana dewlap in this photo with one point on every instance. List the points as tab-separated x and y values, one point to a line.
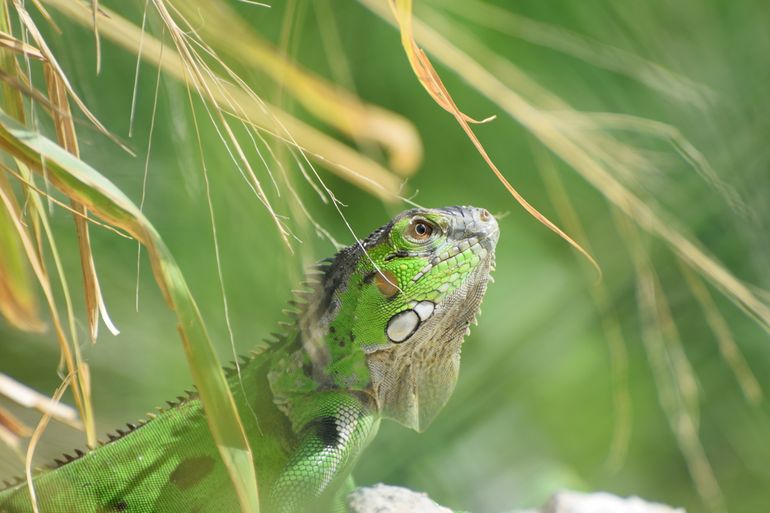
377	335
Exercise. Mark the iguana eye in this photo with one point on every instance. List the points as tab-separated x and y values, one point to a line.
419	230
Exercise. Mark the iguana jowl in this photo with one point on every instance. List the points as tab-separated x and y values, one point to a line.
378	336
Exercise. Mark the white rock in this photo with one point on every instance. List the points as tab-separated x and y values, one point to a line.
601	502
391	499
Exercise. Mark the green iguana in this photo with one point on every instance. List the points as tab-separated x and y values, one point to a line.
378	336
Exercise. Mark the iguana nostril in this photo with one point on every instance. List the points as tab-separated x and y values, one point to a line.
484	215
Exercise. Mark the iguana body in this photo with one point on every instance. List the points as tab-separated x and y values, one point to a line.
379	336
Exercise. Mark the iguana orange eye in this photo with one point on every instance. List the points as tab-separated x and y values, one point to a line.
419	230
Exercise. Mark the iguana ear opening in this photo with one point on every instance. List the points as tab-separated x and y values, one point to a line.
387	283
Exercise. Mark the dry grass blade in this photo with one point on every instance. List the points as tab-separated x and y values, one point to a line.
432	82
651	74
341	75
17	82
584	154
97	39
70	352
215	242
8	42
32	187
339	158
12	101
727	346
65	133
329	102
36	437
616	344
145	177
83	184
46	15
12	424
29	398
197	72
195	67
672	388
29	24
680	365
34	243
596	122
202	77
12	430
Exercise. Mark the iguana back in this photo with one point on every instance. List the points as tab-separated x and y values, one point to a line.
168	463
377	335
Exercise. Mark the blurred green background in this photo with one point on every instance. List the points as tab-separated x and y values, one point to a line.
533	410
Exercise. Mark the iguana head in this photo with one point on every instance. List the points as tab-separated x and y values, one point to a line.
400	303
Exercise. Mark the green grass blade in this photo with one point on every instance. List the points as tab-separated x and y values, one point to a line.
83	184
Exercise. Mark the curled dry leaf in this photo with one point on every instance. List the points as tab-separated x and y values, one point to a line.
8	42
432	83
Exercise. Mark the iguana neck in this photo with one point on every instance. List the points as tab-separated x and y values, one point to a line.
387	317
320	352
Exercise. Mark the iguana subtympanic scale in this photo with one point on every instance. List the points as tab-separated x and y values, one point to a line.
378	335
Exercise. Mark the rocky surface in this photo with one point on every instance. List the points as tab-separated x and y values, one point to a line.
393	499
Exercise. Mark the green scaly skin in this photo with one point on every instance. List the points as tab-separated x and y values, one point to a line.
378	336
